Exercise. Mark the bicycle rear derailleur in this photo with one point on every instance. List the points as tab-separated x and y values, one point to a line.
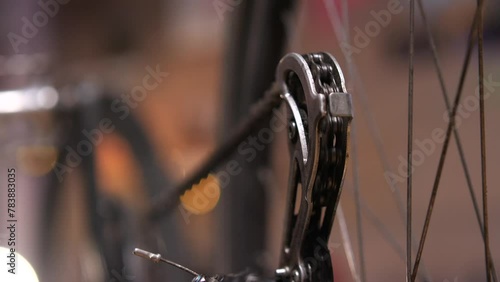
319	114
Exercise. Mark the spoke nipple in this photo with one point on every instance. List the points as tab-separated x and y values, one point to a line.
296	276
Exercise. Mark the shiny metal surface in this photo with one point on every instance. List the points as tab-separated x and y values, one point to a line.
321	111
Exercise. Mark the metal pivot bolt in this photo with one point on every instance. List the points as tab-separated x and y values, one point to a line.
282	272
296	276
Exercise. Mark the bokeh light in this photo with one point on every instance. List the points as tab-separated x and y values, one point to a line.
24	272
36	160
202	197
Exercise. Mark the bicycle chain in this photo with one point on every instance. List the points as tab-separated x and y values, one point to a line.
314	263
312	85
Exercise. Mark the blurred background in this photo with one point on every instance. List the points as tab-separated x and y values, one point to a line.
104	105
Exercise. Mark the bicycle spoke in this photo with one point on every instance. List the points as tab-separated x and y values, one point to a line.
410	144
456	135
354	159
368	115
349	253
383	230
356	191
387	235
451	124
483	140
369	118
